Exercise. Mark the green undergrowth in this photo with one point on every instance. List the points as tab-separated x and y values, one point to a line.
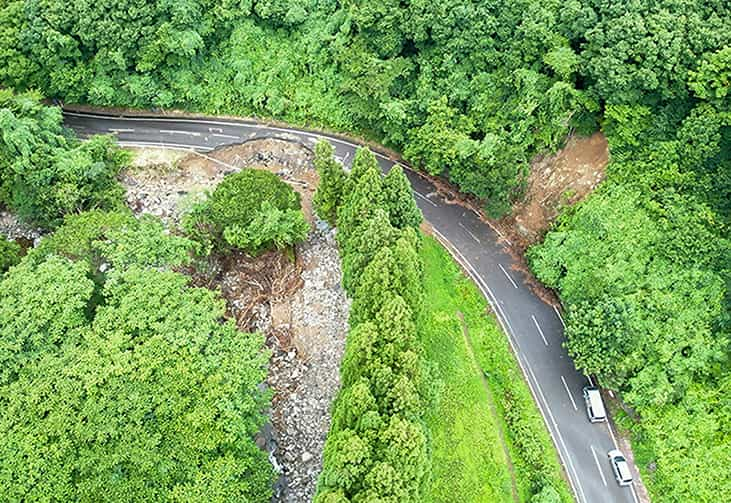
468	459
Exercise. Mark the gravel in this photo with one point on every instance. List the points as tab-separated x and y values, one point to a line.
307	378
305	330
13	228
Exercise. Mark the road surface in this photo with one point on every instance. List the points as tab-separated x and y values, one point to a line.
534	328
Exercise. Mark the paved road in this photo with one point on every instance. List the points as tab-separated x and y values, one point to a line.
535	329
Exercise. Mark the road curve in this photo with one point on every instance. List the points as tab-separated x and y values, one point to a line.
534	328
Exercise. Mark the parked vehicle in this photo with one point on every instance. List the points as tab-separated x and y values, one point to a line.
620	467
594	404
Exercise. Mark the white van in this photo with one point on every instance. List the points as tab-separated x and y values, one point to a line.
594	404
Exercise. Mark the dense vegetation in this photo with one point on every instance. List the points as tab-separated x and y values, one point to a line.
252	210
120	382
471	412
644	269
470	89
377	448
9	253
46	172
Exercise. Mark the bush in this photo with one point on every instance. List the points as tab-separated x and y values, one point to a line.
270	228
252	210
115	239
42	309
9	254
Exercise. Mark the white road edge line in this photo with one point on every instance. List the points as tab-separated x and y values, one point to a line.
159	144
497	231
560	318
505	324
117	130
423	197
540	331
591	381
507	275
229	136
566	386
468	232
598	466
616	446
611	433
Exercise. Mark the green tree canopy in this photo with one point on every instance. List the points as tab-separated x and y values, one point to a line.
45	173
329	194
252	210
157	397
400	203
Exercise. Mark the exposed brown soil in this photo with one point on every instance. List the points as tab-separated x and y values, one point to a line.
290	160
247	283
557	181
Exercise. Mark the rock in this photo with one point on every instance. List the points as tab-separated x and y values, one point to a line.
306	456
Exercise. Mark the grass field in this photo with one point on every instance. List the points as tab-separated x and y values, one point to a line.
489	442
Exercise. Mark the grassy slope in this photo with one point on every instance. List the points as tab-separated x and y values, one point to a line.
469	464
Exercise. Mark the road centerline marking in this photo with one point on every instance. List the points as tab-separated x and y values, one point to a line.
507	275
229	136
580	493
540	330
566	386
598	466
175	131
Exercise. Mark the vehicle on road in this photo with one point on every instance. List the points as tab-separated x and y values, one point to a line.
594	404
620	467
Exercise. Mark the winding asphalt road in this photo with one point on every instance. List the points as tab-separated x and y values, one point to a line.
535	329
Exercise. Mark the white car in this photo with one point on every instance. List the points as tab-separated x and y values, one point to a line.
594	405
620	467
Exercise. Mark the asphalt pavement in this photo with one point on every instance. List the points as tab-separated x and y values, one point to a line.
534	328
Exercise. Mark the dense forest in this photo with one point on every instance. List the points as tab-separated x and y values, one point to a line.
470	90
119	379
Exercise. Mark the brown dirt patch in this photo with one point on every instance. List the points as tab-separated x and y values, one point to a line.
557	181
167	182
248	283
290	160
